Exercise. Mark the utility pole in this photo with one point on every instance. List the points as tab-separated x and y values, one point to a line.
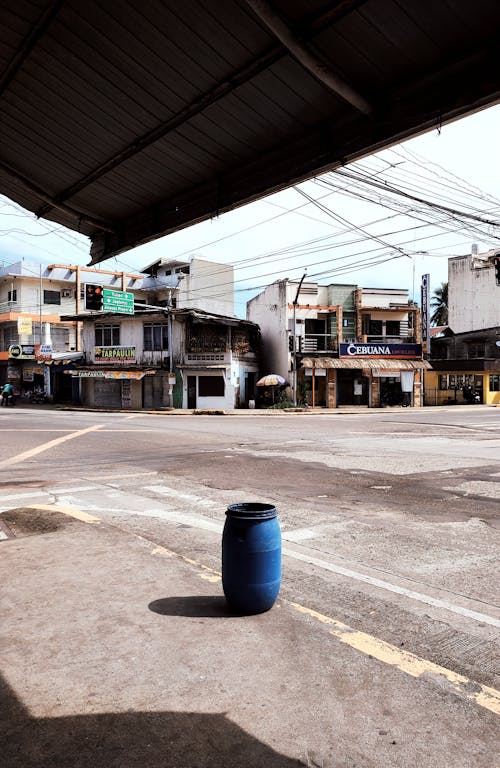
41	306
294	351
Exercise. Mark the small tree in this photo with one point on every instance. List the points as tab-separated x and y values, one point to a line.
439	303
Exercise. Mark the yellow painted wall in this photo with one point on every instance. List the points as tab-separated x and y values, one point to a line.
432	383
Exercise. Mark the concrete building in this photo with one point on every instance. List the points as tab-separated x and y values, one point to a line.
340	344
465	356
36	344
196	283
183	358
473	294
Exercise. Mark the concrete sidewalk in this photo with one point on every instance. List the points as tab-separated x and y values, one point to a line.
120	653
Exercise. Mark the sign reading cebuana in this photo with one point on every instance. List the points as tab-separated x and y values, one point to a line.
377	349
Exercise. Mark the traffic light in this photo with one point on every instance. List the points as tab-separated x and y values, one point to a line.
93	297
291	340
496	264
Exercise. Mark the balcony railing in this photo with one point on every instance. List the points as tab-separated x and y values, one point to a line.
319	342
8	306
323	342
409	338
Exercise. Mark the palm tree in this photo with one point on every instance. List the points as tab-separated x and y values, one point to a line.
439	303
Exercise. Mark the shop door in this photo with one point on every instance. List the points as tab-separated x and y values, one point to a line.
352	387
152	391
191	403
390	391
63	390
107	393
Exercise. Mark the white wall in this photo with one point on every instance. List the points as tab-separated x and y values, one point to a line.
28	304
383	297
269	310
473	295
209	286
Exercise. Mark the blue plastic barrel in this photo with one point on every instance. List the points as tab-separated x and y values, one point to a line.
251	557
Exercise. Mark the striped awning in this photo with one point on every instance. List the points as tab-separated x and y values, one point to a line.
365	362
99	373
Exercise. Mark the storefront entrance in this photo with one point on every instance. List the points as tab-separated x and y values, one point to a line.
390	391
352	388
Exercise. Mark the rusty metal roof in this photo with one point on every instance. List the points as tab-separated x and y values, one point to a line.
128	120
364	362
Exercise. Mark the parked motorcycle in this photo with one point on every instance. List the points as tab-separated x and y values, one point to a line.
38	397
471	396
8	400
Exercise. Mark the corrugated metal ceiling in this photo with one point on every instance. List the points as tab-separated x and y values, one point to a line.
128	120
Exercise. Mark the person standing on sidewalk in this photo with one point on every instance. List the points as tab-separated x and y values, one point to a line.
7	391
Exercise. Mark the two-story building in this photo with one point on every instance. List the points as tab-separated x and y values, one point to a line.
36	345
465	355
163	358
340	344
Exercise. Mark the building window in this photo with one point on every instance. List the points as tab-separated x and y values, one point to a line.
439	351
155	337
495	383
392	328
10	336
376	328
12	295
52	297
211	386
107	335
475	349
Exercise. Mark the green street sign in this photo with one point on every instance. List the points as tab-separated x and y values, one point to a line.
121	302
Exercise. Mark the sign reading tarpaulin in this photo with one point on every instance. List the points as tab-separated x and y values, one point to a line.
109	374
115	354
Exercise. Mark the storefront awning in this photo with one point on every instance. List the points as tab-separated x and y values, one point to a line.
62	358
103	374
67	356
364	362
203	367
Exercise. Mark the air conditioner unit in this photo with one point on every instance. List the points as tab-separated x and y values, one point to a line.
66	294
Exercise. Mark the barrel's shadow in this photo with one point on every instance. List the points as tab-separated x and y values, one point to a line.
201	606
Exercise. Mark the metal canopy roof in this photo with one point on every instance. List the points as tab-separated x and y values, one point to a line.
128	120
364	362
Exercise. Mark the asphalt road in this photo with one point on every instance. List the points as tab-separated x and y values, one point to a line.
390	519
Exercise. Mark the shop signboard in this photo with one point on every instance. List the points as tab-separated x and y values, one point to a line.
44	351
24	326
425	296
114	355
22	351
381	350
119	375
121	302
14	373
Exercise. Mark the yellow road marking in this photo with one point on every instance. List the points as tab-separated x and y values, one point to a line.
78	514
209	574
407	662
46	446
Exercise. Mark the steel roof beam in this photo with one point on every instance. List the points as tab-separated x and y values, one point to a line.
256	66
309	60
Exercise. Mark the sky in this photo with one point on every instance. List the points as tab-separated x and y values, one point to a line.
381	222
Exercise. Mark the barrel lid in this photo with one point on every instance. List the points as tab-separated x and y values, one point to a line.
252	510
